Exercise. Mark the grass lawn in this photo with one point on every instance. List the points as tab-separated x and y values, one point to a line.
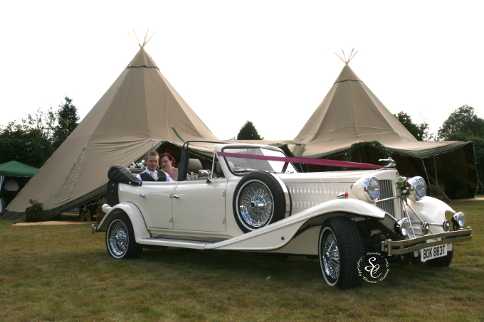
63	273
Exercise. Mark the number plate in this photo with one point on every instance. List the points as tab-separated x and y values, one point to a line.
429	253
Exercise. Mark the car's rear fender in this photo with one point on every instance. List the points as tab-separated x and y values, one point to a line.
134	214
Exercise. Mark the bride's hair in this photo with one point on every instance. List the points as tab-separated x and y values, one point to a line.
170	157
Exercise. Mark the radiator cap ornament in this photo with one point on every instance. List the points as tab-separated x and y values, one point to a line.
390	163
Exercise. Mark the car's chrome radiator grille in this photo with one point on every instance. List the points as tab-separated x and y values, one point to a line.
386	191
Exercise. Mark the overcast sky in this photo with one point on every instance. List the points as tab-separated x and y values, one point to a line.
271	62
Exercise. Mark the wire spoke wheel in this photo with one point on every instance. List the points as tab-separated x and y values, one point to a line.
260	199
118	238
255	204
329	256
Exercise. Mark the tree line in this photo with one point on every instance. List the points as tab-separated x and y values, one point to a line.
33	139
462	125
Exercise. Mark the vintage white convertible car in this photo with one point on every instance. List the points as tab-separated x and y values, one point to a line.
249	199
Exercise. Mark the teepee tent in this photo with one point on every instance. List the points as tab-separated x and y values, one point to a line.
137	113
352	115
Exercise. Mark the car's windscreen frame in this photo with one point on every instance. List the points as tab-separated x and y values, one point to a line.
252	147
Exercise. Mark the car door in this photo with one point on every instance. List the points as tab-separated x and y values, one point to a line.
199	206
155	201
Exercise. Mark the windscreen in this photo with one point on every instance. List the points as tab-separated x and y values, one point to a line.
241	165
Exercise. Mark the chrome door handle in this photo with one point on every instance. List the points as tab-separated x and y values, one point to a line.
142	195
175	196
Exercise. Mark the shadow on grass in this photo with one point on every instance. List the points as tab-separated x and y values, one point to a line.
290	269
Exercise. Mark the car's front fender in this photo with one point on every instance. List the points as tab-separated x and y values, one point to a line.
433	211
280	233
132	211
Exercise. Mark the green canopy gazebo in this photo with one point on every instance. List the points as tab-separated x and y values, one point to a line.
17	169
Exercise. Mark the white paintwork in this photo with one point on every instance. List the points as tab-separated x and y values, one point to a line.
137	220
305	243
268	238
152	198
198	214
433	211
313	188
200	206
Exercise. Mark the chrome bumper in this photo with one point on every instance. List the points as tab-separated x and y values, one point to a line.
400	247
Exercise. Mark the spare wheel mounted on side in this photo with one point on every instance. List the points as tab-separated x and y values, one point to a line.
260	199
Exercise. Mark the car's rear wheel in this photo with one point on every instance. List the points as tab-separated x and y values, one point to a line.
340	248
120	239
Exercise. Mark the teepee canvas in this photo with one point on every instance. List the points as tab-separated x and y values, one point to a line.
351	114
138	112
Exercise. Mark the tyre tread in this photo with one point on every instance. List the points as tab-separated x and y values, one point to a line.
351	248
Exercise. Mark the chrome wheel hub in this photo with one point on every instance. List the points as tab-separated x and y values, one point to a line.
255	204
330	257
118	239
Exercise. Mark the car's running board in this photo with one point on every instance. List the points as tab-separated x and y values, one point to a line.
205	239
173	243
264	239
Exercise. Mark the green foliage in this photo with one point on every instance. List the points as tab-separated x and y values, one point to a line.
248	132
463	124
28	141
34	212
366	152
33	139
419	131
67	120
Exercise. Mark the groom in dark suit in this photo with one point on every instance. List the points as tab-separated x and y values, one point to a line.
152	173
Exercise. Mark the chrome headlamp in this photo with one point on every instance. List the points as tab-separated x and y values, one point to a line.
402	226
419	186
367	188
373	188
458	220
